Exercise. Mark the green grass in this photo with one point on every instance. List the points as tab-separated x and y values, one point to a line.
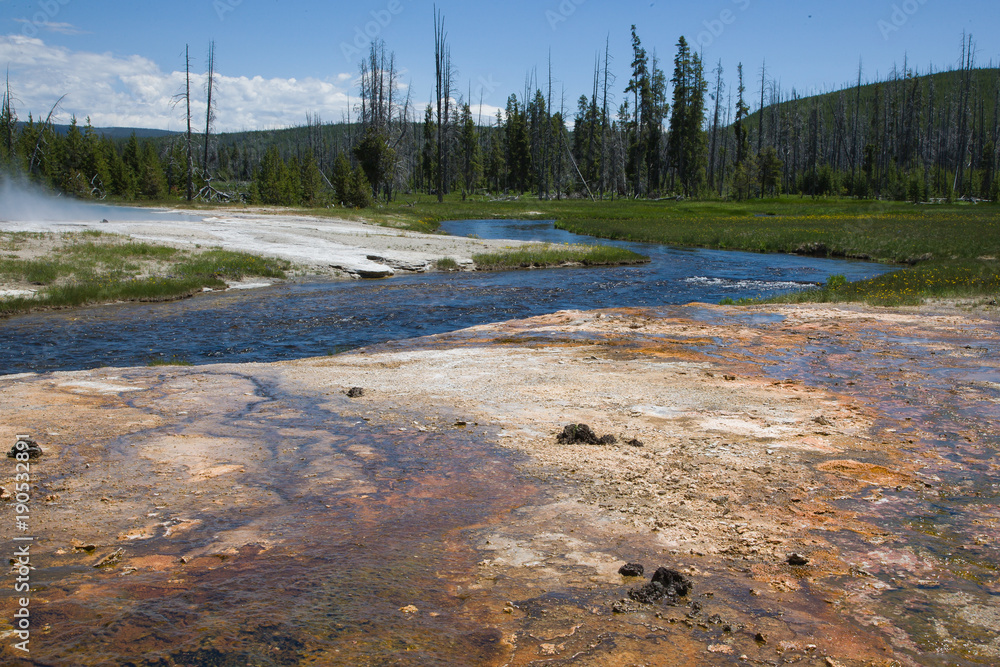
952	279
35	271
84	272
446	264
108	253
222	264
540	256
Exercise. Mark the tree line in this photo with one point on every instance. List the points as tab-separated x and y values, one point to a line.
910	136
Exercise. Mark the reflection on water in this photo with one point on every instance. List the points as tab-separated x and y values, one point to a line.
316	319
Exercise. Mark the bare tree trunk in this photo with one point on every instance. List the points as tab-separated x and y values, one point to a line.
9	118
854	131
604	113
760	118
209	111
713	148
440	56
190	147
963	122
760	121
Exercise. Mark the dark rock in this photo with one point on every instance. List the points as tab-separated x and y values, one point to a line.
581	434
760	638
667	585
822	421
797	559
672	580
631	570
634	442
577	434
355	392
25	445
648	594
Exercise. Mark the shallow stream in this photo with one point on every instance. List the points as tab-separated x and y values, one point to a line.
312	319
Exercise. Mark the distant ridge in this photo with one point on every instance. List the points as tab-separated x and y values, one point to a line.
117	132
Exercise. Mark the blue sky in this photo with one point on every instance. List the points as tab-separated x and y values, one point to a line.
119	62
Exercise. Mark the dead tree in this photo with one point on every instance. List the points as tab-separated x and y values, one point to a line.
8	120
39	150
188	137
442	67
209	108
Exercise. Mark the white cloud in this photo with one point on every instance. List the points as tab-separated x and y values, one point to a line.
51	26
132	91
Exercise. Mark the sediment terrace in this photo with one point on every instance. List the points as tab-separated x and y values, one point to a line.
268	518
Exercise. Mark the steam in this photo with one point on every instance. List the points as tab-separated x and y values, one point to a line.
22	201
25	202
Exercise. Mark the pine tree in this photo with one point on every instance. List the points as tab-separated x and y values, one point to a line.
687	148
471	161
342	179
311	180
428	152
152	183
742	173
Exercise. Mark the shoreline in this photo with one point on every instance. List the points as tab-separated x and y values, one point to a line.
318	248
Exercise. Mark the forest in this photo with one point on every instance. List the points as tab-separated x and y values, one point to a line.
920	137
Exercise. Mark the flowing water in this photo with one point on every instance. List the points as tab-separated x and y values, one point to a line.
318	318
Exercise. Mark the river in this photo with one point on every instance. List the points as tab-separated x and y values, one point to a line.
308	319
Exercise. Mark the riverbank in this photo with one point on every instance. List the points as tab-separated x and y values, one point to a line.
831	433
59	264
